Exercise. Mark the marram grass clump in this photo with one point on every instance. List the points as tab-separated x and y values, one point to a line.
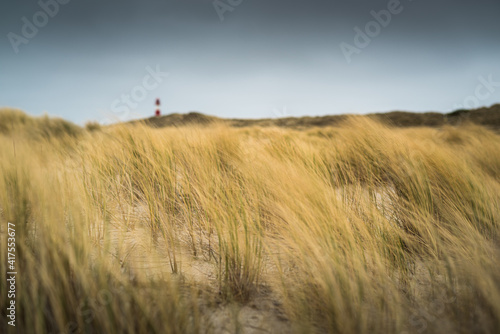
15	122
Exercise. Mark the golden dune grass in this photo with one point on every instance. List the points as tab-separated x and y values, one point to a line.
359	228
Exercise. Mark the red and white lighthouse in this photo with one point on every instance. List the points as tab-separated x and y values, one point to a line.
158	112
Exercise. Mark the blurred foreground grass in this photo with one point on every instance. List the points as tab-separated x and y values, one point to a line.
359	228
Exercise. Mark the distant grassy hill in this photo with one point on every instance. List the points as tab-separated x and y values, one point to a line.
489	117
18	122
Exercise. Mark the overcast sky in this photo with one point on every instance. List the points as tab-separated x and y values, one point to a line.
107	60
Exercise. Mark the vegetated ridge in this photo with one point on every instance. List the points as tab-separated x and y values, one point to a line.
487	116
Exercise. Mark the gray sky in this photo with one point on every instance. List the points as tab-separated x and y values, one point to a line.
107	60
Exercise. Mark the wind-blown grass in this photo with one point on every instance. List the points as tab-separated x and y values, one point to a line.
353	229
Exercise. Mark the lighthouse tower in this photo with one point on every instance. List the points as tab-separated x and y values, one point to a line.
158	112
